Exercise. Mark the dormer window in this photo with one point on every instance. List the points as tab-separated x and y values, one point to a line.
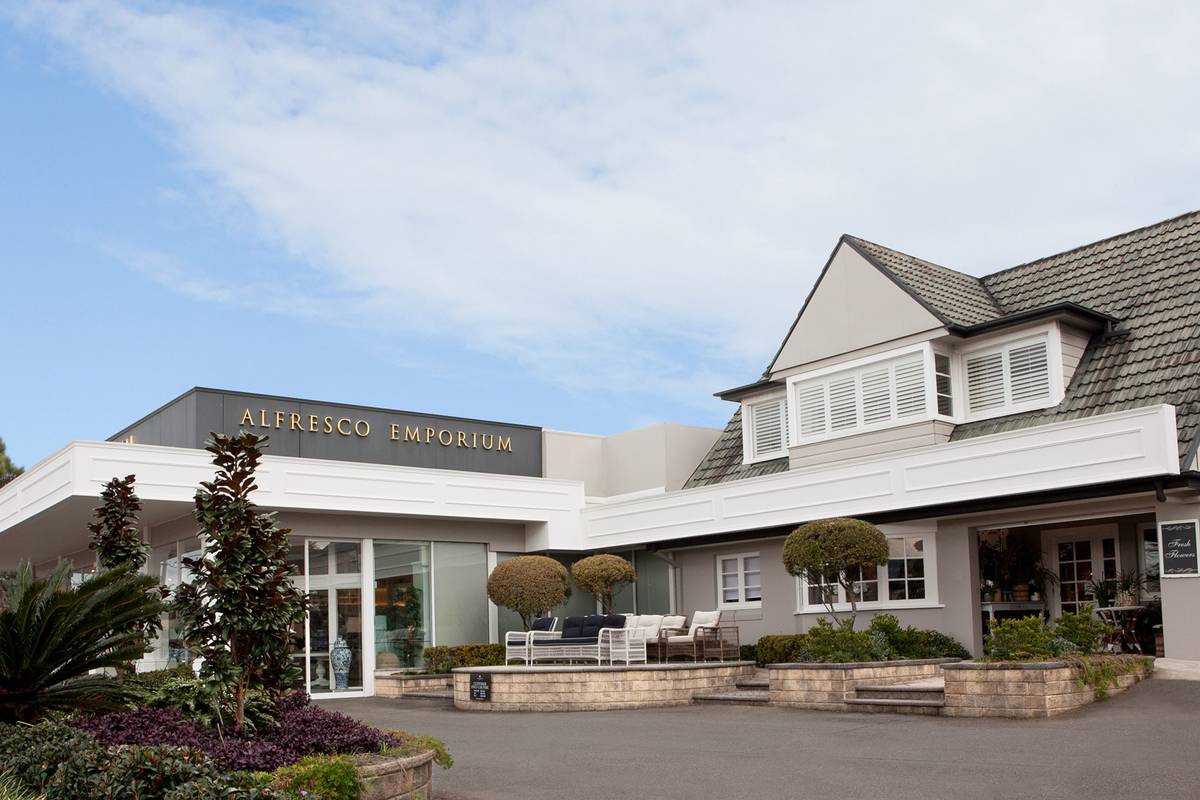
880	394
1011	377
765	429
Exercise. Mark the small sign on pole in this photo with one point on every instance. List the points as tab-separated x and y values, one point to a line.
1177	547
481	687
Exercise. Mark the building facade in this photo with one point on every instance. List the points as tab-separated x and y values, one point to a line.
1018	437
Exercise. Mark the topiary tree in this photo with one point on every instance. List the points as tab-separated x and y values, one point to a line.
115	534
241	604
835	551
602	575
529	585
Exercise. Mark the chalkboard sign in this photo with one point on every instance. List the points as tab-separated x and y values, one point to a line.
481	687
1177	548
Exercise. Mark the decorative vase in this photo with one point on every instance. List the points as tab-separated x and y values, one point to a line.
339	659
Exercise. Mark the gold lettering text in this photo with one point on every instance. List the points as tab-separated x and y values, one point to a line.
475	439
488	441
329	424
504	443
462	438
279	415
247	419
362	428
339	426
262	418
429	435
412	434
449	440
394	432
294	422
312	422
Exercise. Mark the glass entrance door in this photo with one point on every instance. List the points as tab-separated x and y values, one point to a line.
1080	560
331	649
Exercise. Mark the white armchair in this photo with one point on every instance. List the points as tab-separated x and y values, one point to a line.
517	643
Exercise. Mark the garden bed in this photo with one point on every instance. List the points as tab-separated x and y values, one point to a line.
1037	689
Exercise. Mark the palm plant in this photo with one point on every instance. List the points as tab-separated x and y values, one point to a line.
53	635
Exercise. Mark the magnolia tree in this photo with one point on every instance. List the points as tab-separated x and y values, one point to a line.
603	575
241	605
529	585
116	537
833	553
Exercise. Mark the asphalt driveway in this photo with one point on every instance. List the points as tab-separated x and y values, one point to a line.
1143	743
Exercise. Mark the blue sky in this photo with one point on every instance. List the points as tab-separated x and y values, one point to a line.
582	216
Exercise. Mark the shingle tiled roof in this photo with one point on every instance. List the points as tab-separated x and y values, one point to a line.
954	297
1148	278
724	460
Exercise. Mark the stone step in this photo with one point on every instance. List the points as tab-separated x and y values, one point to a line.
889	706
753	684
745	697
438	694
901	692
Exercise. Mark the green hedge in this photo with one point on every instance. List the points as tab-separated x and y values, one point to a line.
442	659
883	640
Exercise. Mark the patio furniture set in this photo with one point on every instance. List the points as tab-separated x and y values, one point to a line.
624	639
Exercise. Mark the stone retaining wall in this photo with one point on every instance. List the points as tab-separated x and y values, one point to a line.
1023	690
399	684
826	687
588	688
397	777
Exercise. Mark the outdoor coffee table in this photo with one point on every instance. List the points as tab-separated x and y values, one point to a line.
1124	621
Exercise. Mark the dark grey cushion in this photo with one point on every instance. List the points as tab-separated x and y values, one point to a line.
542	624
573	626
591	625
570	640
614	621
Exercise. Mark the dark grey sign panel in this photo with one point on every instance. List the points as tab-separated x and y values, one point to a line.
307	429
1177	547
481	687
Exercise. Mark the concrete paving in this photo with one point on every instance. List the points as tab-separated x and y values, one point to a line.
1142	743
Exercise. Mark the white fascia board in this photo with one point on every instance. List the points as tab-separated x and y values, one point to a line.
1091	450
173	474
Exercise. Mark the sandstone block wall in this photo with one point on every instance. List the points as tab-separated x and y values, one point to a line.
399	684
597	688
826	687
1021	690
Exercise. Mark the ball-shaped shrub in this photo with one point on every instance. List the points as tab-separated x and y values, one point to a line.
602	575
529	585
831	547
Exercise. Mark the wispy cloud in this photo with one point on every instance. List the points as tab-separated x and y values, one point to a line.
638	195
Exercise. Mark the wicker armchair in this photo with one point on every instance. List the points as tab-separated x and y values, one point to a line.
517	643
705	640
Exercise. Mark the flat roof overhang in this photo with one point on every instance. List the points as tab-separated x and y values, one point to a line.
44	512
1132	445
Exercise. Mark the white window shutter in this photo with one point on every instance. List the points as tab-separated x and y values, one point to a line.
910	387
876	395
985	382
810	410
1029	373
843	403
766	427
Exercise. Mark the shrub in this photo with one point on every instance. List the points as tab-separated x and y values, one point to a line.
883	640
116	537
443	658
53	635
838	549
748	652
151	680
227	786
47	756
324	777
602	575
1082	630
209	703
529	585
12	789
411	744
1024	639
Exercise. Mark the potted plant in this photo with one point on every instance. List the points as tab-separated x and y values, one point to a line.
1129	588
1104	591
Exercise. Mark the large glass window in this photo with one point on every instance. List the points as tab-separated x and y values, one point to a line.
460	583
335	656
403	604
906	568
904	583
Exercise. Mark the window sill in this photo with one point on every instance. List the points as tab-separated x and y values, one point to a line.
910	606
753	604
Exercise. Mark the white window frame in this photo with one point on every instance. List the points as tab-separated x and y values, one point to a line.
1050	334
741	587
883	603
749	456
794	383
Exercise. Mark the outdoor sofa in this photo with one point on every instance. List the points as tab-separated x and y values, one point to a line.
598	637
516	643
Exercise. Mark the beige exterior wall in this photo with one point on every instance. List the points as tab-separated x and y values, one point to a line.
853	306
957	613
872	443
659	456
1180	596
